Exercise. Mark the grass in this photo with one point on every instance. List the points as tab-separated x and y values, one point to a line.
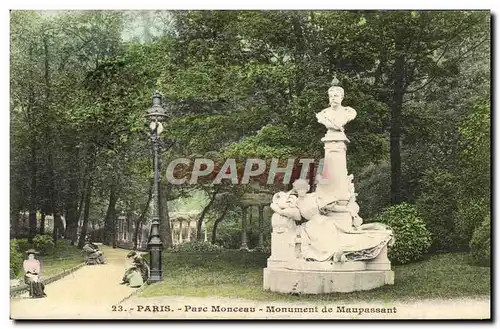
64	257
239	274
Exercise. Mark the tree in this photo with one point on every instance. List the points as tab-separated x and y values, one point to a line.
418	50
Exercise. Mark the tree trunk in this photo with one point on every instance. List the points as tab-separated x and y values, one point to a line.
86	212
135	235
244	237
33	192
57	226
142	217
298	53
128	227
110	222
79	211
53	195
80	205
199	235
42	224
54	202
114	242
260	244
395	134
216	223
71	221
15	223
32	226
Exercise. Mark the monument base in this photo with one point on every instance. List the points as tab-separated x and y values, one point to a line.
293	281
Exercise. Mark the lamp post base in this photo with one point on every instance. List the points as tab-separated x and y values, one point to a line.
155	277
155	271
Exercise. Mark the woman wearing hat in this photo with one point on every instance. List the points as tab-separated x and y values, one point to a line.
31	268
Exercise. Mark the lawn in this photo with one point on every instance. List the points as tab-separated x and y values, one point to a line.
64	257
239	274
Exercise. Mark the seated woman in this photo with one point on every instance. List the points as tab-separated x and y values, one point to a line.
32	268
138	273
92	253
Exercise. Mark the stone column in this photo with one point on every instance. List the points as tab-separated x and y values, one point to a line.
139	236
180	231
334	184
125	229
172	231
188	238
115	233
244	241
122	229
261	228
205	231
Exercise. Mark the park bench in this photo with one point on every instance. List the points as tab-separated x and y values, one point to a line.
90	259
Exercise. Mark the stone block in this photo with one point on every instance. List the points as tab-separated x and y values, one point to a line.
323	282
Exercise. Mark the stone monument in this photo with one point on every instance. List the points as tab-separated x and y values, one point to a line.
319	243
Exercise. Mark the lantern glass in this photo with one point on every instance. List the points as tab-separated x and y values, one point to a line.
156	112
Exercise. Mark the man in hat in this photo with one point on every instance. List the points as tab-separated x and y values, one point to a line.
32	269
92	252
138	273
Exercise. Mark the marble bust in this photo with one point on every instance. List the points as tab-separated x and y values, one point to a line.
336	116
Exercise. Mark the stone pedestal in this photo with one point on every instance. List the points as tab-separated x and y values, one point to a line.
282	246
308	277
334	183
288	281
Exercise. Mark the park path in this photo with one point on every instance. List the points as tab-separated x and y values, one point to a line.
85	293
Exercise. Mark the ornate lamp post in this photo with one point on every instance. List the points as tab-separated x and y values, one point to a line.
156	114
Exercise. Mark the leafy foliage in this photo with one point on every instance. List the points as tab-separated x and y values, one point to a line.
412	239
23	245
195	246
437	205
44	244
373	184
16	258
480	244
470	216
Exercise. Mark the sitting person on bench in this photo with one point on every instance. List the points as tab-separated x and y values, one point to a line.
31	268
92	253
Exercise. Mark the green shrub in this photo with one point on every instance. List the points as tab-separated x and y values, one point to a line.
480	244
470	215
374	189
43	244
23	245
16	258
437	205
196	246
412	239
